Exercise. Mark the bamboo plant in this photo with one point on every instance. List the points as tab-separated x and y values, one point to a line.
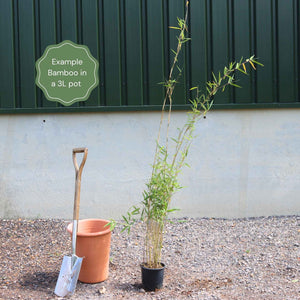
168	161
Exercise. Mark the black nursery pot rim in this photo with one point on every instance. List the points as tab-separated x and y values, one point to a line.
143	265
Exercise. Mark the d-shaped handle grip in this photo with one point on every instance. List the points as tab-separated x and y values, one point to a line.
79	150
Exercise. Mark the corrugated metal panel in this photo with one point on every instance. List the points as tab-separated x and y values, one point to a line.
132	42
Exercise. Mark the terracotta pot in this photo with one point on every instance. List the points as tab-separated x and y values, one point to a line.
152	279
93	244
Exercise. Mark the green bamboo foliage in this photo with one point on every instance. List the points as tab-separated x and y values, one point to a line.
163	183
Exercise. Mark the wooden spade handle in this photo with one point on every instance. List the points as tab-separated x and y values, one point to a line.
78	172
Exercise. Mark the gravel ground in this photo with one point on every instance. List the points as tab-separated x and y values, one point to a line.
256	258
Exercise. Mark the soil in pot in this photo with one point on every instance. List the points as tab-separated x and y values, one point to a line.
93	244
152	279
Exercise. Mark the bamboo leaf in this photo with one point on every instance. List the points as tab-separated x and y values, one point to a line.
173	51
242	71
215	79
172	210
258	63
244	68
235	85
251	63
225	71
182	221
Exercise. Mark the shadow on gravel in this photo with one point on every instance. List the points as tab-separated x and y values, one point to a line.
130	287
39	281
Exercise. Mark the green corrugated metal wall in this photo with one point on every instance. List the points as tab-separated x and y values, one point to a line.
132	42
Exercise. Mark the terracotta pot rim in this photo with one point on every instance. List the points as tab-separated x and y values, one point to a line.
83	234
143	265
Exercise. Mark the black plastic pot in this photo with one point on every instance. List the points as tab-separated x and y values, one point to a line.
152	279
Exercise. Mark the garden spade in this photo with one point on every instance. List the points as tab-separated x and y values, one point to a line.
70	268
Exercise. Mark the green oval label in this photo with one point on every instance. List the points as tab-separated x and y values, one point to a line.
67	73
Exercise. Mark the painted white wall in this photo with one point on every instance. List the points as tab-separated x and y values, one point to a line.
243	163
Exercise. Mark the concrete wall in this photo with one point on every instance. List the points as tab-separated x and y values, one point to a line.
243	163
